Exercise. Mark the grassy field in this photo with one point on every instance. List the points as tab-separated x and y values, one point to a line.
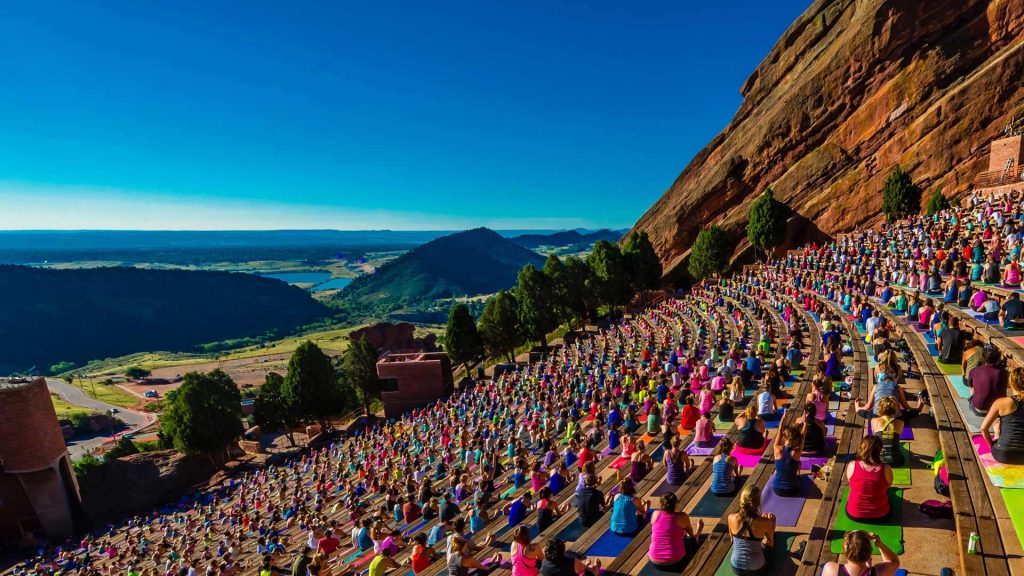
67	409
110	394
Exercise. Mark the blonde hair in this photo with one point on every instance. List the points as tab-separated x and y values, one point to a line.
1016	381
750	503
751	411
887	407
857	546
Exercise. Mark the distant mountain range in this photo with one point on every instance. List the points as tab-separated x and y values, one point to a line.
48	316
567	239
470	263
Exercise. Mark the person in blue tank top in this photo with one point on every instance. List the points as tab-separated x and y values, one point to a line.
788	446
519	508
725	470
627	509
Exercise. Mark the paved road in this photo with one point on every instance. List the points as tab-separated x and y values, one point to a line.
74	395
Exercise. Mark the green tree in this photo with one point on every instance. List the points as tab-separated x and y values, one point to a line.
499	326
534	292
310	387
583	288
205	416
461	340
901	196
360	366
766	224
614	286
271	411
62	367
136	372
123	447
558	275
710	253
87	464
641	262
937	202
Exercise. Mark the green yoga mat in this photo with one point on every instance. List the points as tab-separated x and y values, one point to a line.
720	425
950	369
778	558
891	532
1014	500
901	475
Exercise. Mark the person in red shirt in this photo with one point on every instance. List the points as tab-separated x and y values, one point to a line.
411	511
422	555
327	545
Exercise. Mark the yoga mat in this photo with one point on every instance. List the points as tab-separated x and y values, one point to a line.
683	431
961	387
1014	500
949	369
932	350
901	474
770	424
572	532
646	438
1018	339
619	463
508	492
606	452
694	450
1001	475
891	532
611	544
971	420
712	506
776	562
720	425
786	509
415	527
662	489
748	460
830	448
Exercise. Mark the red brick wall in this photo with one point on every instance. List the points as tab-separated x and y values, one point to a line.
419	382
1004	149
30	438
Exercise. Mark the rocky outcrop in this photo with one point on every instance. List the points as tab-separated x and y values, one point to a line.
852	88
386	336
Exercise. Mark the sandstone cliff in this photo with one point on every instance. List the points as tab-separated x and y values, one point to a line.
852	88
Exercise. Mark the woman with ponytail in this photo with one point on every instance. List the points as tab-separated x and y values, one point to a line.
753	535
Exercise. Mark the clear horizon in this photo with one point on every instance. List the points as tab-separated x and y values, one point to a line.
398	116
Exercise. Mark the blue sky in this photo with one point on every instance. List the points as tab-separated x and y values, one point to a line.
358	115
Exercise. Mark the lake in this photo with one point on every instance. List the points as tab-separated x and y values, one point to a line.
333	284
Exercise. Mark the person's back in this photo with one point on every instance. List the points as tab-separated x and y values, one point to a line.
787	474
455	567
889	431
987	382
521	564
869	487
588	505
666	539
952	341
1009	448
624	513
749	529
723	481
765	403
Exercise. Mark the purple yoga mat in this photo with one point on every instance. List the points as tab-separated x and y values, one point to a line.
807	461
786	510
694	450
908	432
606	451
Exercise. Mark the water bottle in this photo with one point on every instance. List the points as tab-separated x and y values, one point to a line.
972	543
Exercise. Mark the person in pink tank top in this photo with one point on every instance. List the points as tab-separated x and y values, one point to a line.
526	557
672	536
704	432
869	480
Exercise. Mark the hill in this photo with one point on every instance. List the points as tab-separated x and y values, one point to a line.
568	240
852	88
478	261
48	316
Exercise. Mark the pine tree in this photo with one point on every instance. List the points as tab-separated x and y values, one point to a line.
641	262
461	339
499	326
937	202
710	253
766	225
361	371
613	281
205	415
271	410
310	387
901	197
535	296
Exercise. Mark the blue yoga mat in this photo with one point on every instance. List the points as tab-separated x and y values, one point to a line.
611	544
775	423
962	389
572	532
933	350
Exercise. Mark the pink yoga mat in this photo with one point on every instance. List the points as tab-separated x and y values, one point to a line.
619	462
786	509
695	450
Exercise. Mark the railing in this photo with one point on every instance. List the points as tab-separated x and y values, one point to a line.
997	178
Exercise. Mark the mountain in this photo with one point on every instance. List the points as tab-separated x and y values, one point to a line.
851	89
478	261
48	316
566	239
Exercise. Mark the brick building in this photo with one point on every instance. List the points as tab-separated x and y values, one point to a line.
38	491
1004	166
411	380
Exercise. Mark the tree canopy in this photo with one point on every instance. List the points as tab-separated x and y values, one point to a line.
937	202
641	262
535	295
361	371
271	410
901	196
710	253
310	387
499	325
461	339
614	285
205	415
766	225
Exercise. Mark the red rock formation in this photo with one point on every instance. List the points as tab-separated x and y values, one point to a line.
852	88
386	336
